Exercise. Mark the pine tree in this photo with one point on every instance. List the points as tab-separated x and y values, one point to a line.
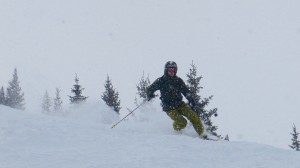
77	90
193	83
111	96
295	143
14	95
46	105
2	96
142	87
57	101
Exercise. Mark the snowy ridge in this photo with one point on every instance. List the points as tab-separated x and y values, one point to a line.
82	138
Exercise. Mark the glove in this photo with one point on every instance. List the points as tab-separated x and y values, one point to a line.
149	97
192	102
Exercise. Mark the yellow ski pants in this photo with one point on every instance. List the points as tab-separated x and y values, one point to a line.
180	122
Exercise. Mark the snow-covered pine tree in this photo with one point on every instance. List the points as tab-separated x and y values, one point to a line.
142	87
193	83
110	96
14	95
57	102
46	105
77	90
295	142
2	96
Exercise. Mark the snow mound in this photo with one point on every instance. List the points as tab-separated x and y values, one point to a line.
83	138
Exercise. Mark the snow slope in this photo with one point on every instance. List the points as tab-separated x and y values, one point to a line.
82	138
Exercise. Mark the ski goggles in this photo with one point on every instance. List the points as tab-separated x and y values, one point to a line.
172	70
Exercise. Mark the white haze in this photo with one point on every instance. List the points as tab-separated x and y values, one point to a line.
247	52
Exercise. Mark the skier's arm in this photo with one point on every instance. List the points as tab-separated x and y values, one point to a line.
187	93
152	88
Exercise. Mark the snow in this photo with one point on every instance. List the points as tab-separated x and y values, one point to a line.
247	52
83	138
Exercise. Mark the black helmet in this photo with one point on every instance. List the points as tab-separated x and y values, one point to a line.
170	64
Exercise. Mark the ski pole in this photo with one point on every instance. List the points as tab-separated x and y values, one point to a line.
128	114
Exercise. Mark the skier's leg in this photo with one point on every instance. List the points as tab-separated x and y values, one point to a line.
193	117
179	121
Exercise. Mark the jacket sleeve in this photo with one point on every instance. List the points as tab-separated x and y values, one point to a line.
185	91
152	88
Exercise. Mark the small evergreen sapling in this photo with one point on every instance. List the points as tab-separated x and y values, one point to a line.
295	142
2	96
14	95
193	83
142	87
110	96
46	105
77	90
57	102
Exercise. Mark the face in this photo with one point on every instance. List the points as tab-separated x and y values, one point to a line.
171	71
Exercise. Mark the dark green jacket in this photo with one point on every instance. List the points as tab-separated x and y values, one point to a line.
171	90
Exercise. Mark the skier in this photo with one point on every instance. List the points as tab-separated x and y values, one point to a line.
171	88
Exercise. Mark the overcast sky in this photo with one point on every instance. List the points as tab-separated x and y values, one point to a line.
247	52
